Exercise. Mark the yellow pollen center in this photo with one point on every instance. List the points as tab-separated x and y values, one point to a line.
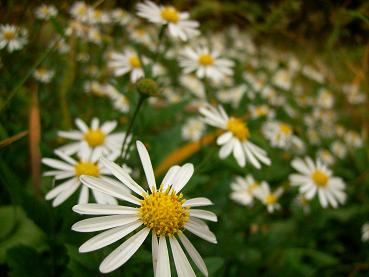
261	111
87	168
134	61
285	128
320	178
82	10
270	199
9	35
97	13
169	14
206	59
163	213
94	137
253	186
238	128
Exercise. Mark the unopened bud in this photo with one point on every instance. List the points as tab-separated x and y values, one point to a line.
148	87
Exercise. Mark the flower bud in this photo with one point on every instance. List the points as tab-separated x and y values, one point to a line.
148	87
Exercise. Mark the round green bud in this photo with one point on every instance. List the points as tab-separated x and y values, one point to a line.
148	87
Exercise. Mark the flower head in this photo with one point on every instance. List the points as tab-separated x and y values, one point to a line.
12	37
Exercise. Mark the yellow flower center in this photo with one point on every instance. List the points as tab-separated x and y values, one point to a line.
87	168
94	137
97	13
81	10
270	199
238	128
135	61
169	14
206	59
320	178
261	111
9	35
44	10
163	213
285	129
252	187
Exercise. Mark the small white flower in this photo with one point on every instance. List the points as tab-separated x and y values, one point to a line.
365	232
121	103
206	64
120	16
46	12
261	111
283	79
243	190
178	23
316	178
313	74
339	149
326	156
12	37
43	75
80	11
235	139
96	136
353	139
70	169
162	211
193	129
232	95
280	135
127	62
268	198
325	99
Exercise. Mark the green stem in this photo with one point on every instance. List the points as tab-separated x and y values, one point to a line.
141	100
160	39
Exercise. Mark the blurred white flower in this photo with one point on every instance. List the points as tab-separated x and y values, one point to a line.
178	23
268	198
193	129
12	37
43	75
206	64
280	135
71	169
316	178
365	232
46	12
235	139
243	190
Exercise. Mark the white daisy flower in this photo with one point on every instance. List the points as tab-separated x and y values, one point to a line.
268	198
316	178
339	149
232	95
193	129
353	139
365	232
120	16
235	139
280	135
97	16
96	136
45	12
121	103
261	111
162	211
326	156
178	23
69	169
313	74
283	79
206	64
127	62
80	11
243	190
43	75
325	98
12	37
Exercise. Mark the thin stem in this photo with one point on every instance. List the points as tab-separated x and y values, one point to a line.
160	39
141	100
29	73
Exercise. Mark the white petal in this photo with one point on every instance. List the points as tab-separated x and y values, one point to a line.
100	209
66	193
224	138
58	189
147	166
108	188
103	223
125	251
169	177
83	195
202	214
183	267
155	247
238	153
197	202
123	176
200	231
163	265
108	237
58	164
182	177
81	125
194	254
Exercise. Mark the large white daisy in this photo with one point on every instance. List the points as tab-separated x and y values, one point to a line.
206	64
69	170
179	25
316	178
235	139
162	211
96	136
